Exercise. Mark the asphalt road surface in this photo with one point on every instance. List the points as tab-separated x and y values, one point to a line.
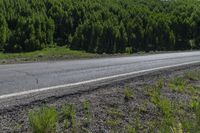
16	78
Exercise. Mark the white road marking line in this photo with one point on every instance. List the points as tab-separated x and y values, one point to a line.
90	81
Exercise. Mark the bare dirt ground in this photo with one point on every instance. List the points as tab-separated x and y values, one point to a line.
150	103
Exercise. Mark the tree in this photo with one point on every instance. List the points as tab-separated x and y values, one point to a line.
99	26
4	32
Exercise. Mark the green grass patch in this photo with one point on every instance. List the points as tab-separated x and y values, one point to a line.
155	91
114	112
43	120
131	129
70	116
46	54
128	93
178	84
113	122
193	75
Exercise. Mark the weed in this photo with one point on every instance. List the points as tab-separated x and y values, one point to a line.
143	107
113	122
70	114
175	128
155	95
178	84
17	127
87	112
188	124
43	120
166	107
86	105
155	91
192	89
194	104
162	103
193	75
160	84
131	129
178	128
115	113
128	92
197	113
137	122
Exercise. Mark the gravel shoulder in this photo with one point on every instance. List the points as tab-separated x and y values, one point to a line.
111	109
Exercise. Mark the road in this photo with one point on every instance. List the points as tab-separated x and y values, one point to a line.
17	78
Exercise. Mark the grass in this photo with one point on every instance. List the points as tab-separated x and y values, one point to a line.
166	107
137	123
178	84
196	107
43	120
143	107
155	91
162	103
87	113
70	115
128	92
45	54
193	75
114	112
177	129
113	122
17	127
130	129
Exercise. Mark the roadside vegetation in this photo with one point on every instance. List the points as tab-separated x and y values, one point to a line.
167	106
96	26
43	120
54	53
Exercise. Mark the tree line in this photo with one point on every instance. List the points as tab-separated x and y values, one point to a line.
100	26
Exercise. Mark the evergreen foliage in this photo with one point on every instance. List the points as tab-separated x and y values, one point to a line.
100	26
